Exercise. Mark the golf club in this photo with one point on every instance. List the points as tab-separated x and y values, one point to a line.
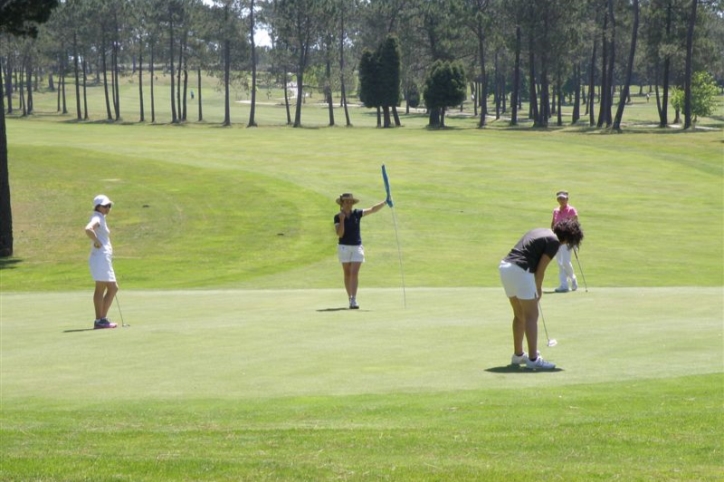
575	251
550	342
118	304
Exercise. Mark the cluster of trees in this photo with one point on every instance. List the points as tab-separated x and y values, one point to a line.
546	52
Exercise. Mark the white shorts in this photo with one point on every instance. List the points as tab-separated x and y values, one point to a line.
350	254
101	266
517	282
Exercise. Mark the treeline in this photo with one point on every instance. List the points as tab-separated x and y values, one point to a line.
545	53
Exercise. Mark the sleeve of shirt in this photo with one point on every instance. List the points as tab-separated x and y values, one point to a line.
552	248
336	219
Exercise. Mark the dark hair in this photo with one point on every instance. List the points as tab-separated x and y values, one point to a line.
569	232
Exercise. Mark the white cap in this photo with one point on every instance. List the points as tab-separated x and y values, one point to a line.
101	200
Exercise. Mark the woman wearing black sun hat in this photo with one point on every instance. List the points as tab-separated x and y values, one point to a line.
349	248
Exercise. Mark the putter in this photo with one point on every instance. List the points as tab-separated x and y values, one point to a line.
575	251
553	342
118	304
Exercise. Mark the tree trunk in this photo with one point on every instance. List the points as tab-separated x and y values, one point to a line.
116	78
179	69
286	97
198	92
104	67
592	87
76	71
301	65
531	66
484	82
9	83
142	117
6	213
64	105
395	116
577	93
252	110
174	118
342	36
629	69
84	65
516	80
559	97
386	119
605	88
611	65
151	74
688	122
184	94
21	91
29	82
227	73
328	87
664	106
57	97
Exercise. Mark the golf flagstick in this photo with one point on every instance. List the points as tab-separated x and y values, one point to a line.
391	204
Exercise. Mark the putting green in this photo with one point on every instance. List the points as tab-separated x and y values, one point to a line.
236	344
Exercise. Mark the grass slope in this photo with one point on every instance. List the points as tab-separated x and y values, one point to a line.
204	207
242	362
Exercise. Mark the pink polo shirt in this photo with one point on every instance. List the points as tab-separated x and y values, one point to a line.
562	214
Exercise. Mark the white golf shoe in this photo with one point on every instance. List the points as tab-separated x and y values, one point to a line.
539	364
520	360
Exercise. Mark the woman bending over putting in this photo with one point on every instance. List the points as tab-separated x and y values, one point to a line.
100	261
522	272
350	250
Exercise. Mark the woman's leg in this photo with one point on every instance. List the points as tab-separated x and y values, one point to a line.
347	269
562	275
518	325
354	268
529	309
98	299
111	288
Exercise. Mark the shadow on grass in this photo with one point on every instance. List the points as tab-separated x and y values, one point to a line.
9	263
79	330
519	369
325	310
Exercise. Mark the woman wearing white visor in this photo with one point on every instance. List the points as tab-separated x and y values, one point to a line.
101	262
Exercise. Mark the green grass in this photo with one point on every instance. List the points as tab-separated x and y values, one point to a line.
242	363
251	208
281	385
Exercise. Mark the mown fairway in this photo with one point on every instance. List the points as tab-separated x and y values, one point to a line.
242	363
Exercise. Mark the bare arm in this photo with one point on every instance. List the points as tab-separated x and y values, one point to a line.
339	227
90	231
374	208
540	273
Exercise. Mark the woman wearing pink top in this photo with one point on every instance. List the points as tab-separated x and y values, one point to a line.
565	267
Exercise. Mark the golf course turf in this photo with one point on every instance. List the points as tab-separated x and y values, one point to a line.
242	362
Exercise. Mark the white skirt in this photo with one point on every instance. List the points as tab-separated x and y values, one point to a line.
101	266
